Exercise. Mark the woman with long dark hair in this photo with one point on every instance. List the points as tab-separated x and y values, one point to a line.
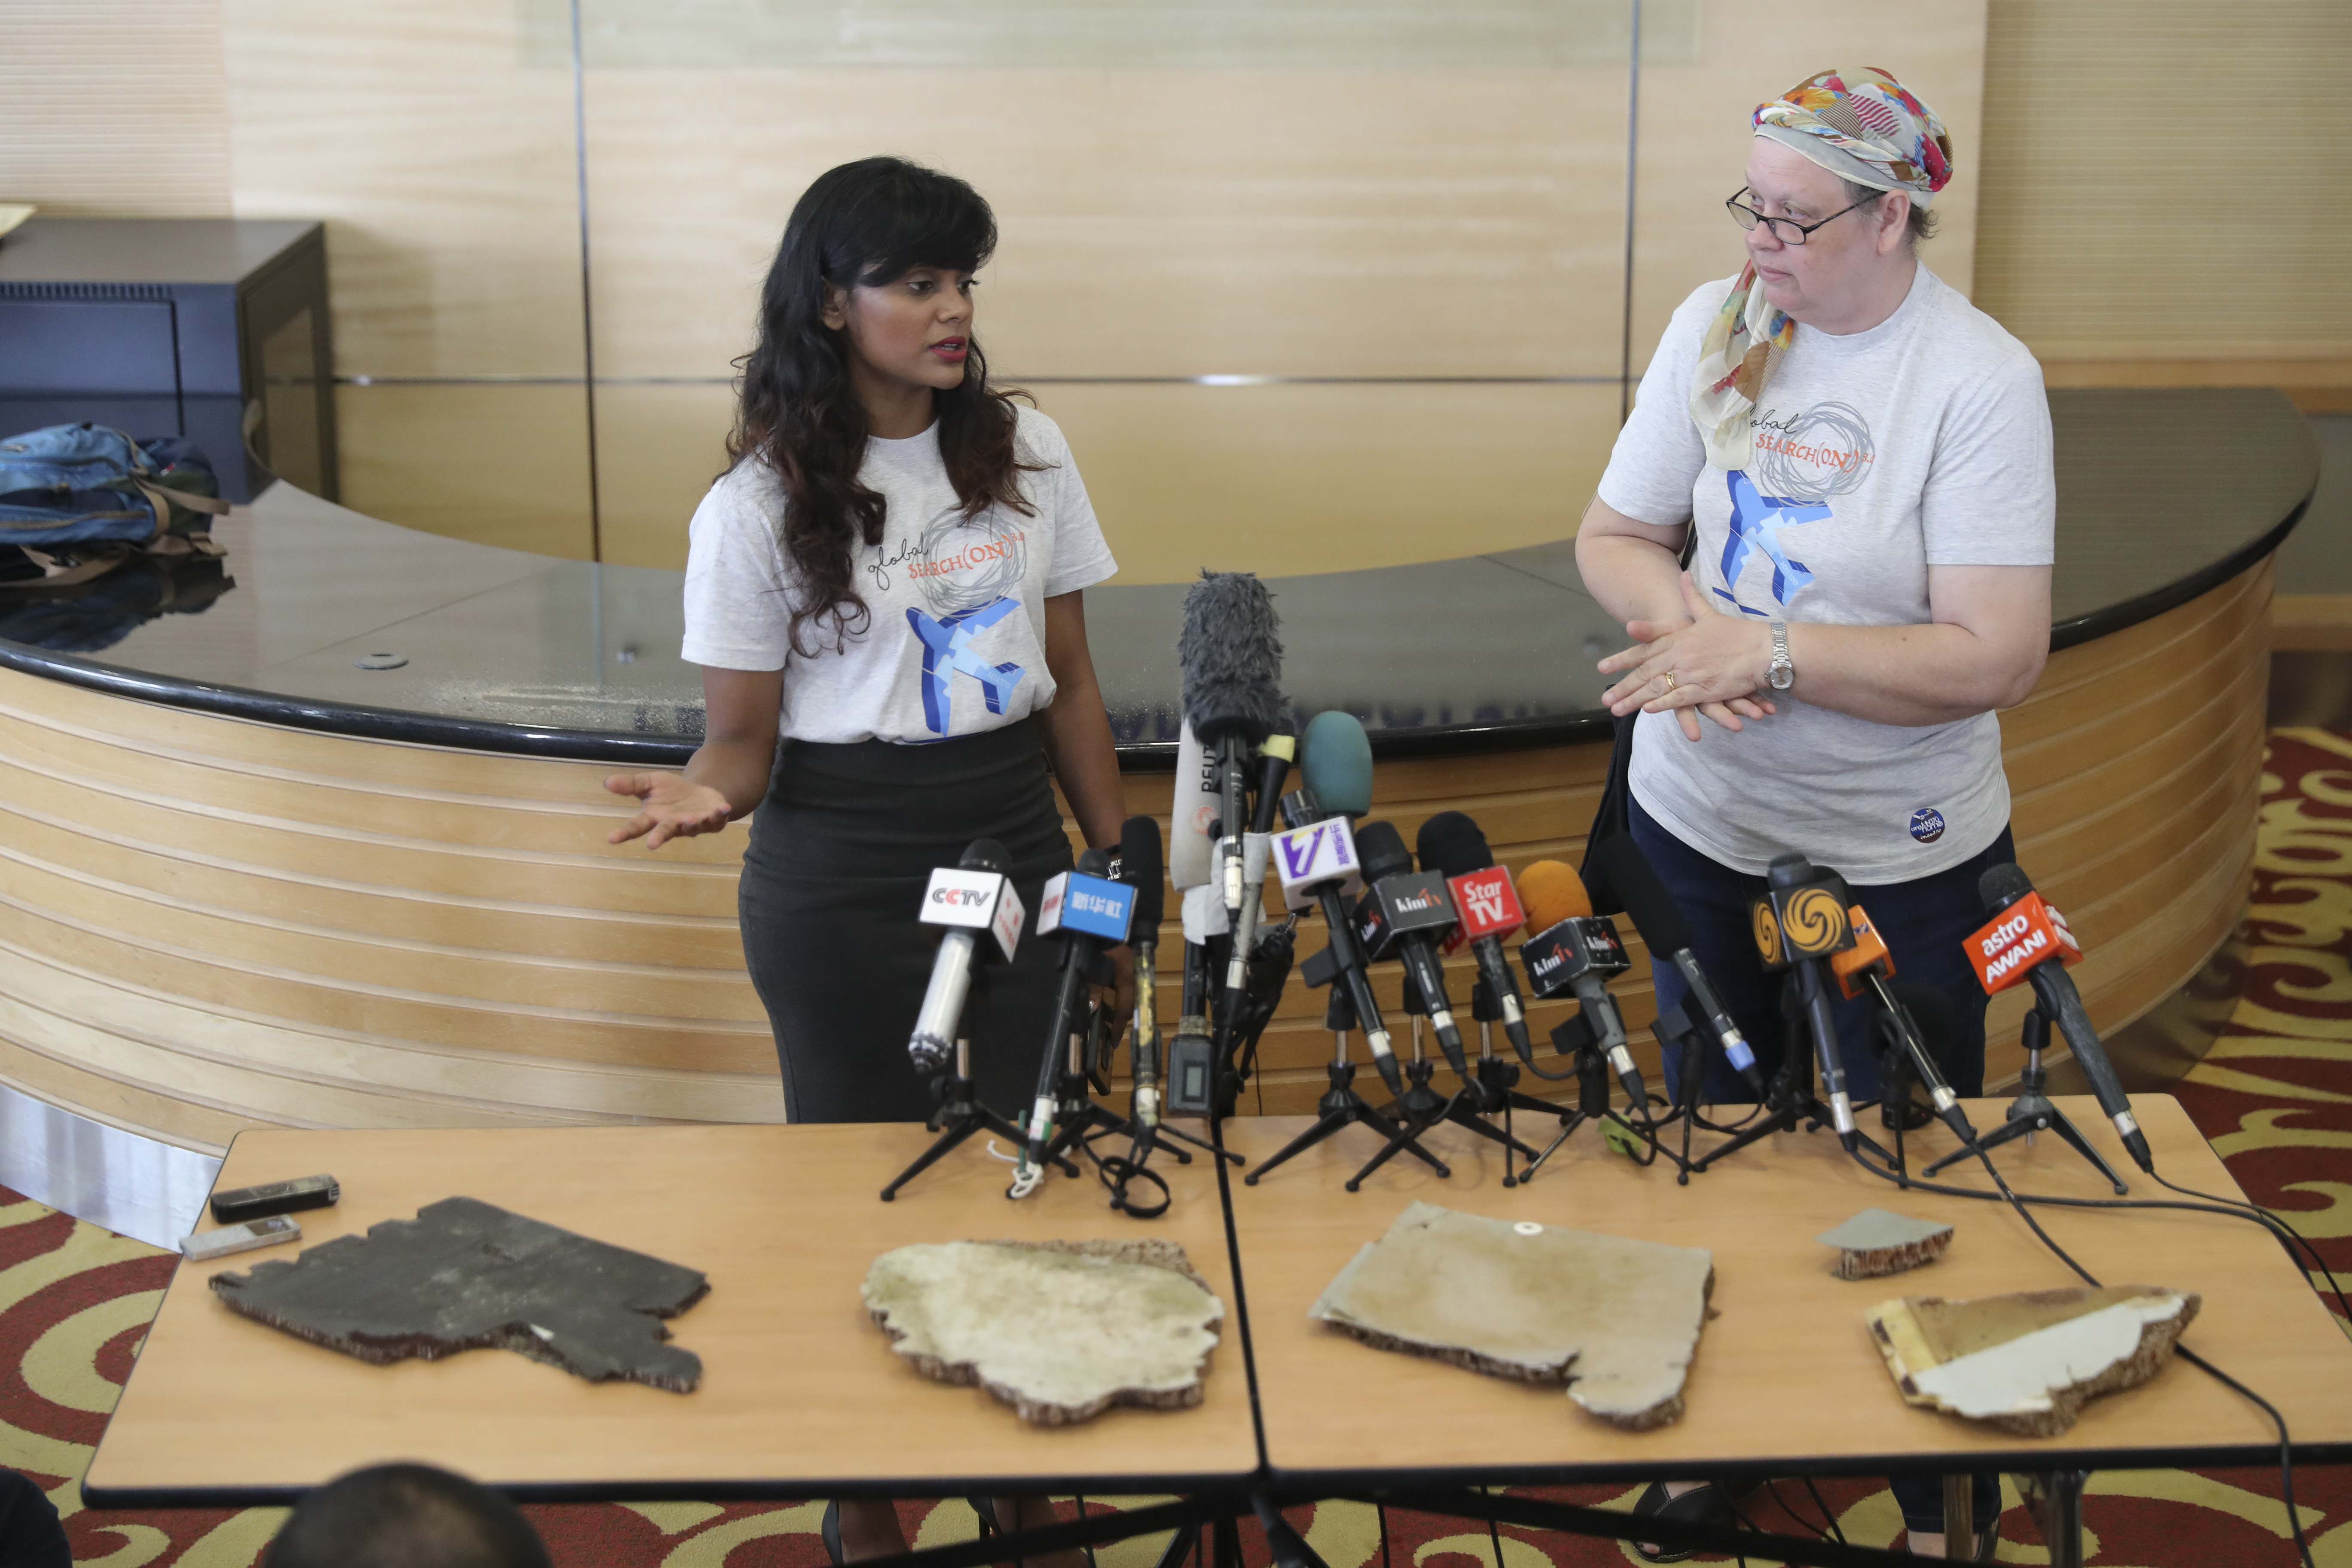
888	579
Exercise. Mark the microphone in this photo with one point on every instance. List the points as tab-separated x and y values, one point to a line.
1864	970
1192	814
1799	921
1572	949
1316	858
1628	874
1273	758
1139	867
1403	916
1091	912
973	897
2028	940
1230	660
1487	908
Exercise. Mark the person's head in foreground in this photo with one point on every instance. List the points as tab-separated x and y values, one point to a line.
405	1516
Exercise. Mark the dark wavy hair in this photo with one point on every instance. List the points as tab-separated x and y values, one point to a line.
861	225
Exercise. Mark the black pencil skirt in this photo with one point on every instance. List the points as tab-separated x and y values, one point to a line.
832	883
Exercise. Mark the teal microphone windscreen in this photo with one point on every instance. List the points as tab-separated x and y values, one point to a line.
1334	761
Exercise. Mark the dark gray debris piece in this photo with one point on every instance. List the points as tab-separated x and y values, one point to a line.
465	1275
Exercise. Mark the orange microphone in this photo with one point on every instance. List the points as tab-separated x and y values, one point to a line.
1864	970
1572	949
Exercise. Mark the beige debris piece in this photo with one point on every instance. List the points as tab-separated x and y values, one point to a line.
1880	1241
1061	1331
2029	1362
1615	1321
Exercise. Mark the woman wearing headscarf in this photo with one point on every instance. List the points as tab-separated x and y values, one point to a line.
1857	462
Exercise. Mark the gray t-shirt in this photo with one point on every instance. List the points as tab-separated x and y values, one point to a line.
954	639
1922	442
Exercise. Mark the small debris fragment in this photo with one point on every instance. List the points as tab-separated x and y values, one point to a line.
1880	1241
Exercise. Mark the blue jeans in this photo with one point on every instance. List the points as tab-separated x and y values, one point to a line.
1924	924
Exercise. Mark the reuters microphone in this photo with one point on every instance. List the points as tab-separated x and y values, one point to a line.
1800	921
2027	940
972	898
1230	658
1487	907
1574	950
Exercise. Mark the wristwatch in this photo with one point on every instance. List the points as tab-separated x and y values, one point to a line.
1783	673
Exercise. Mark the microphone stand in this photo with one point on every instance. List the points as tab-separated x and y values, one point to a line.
1342	1107
1789	1097
1422	1108
1499	1078
2031	1111
960	1115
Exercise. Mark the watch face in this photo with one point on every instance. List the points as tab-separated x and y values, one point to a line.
1783	676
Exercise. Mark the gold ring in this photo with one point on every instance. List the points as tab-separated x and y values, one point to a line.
1670	680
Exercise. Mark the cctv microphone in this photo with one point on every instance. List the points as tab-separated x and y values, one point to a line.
1488	908
1316	858
1864	970
1230	660
974	898
1091	913
2028	940
1404	915
1629	875
1800	920
1139	867
1575	949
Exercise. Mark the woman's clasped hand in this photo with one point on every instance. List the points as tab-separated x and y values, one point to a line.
1705	664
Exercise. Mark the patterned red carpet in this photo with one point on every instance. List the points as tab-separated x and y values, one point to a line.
2274	1095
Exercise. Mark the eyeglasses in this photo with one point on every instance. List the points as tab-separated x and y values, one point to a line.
1787	230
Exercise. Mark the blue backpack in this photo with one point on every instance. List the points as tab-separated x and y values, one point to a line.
78	500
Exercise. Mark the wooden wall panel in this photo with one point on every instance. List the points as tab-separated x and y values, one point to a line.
114	108
2100	153
491	462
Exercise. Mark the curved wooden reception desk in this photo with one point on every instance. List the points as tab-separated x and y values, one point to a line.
244	880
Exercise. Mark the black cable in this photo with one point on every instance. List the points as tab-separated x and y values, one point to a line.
1082	1519
1820	1530
2277	1222
1494	1533
2286	1448
1380	1513
1835	1528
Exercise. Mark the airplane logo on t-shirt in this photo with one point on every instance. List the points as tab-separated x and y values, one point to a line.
1757	520
947	649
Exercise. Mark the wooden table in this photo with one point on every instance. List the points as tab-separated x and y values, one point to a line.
1787	1378
800	1395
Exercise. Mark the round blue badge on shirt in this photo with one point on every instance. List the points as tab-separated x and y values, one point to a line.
1926	825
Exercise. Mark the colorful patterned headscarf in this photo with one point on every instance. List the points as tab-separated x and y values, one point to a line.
1862	126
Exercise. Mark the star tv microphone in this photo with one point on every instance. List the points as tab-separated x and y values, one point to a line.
1139	867
1800	921
973	899
2027	940
1230	659
1620	863
1404	915
1316	858
1487	907
1091	913
1574	950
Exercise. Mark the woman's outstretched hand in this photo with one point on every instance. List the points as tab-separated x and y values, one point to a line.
1715	661
675	806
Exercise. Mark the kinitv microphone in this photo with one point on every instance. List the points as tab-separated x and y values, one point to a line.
1404	915
1230	659
1316	858
1487	906
1629	875
1091	913
972	898
1800	921
1139	867
1574	950
2028	940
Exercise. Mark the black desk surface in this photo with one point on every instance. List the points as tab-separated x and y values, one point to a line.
2162	494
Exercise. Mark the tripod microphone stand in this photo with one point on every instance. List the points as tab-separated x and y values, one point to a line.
1422	1108
961	1114
1342	1107
2031	1111
1498	1081
1789	1097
